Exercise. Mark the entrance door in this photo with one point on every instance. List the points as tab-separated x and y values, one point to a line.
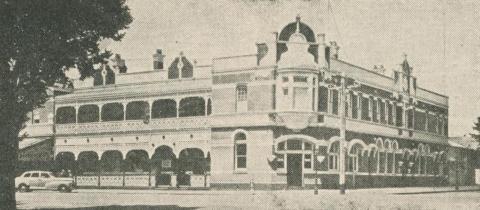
294	169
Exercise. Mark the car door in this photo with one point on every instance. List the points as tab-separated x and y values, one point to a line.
35	181
44	179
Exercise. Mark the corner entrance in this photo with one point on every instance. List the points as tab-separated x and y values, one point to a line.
294	169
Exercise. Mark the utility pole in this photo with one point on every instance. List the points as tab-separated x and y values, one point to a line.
343	128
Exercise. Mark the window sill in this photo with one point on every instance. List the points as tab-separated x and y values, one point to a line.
240	171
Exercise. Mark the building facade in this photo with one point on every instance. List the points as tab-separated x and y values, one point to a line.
268	120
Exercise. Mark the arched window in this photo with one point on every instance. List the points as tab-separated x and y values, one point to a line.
191	106
322	99
242	98
66	115
164	108
88	113
333	153
240	140
137	110
112	112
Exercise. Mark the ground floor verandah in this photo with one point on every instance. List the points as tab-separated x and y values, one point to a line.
137	168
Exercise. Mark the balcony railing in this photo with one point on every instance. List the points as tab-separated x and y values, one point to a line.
134	125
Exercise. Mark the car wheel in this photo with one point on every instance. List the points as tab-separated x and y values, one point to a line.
23	188
64	188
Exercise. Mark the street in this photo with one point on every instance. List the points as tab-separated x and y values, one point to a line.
387	198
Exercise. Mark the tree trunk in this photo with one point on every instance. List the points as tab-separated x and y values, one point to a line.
8	160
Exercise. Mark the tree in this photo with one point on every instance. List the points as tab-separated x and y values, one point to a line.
476	128
39	40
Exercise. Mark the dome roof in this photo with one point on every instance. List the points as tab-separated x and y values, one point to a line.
297	54
296	32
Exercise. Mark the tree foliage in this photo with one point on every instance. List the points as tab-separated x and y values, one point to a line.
39	40
476	128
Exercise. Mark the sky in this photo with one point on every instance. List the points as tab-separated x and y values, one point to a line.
369	33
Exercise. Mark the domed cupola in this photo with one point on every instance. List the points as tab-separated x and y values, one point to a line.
297	54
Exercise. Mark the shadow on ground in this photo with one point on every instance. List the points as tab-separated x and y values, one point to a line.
432	192
133	207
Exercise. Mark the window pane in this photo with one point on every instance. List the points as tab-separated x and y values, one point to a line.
299	79
240	136
241	162
322	99
241	149
44	175
354	101
308	146
281	146
334	101
27	175
294	145
242	93
365	108
35	175
399	115
307	164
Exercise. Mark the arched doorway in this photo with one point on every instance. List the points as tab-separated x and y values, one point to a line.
137	161
111	161
65	162
163	165
88	162
191	161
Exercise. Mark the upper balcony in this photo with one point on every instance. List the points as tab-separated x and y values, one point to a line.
197	122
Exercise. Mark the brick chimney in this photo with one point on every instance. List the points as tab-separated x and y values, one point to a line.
158	60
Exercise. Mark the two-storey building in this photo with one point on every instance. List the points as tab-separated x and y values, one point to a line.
270	119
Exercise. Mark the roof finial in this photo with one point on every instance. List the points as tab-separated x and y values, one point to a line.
298	24
404	56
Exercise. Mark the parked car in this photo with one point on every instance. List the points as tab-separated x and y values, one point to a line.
32	180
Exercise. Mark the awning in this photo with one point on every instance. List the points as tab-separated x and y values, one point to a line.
27	142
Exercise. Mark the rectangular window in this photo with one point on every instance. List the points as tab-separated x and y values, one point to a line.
241	155
432	123
333	161
354	106
335	102
399	116
365	108
242	93
285	79
307	161
420	120
322	99
242	98
374	110
410	118
299	79
285	91
382	111
390	113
